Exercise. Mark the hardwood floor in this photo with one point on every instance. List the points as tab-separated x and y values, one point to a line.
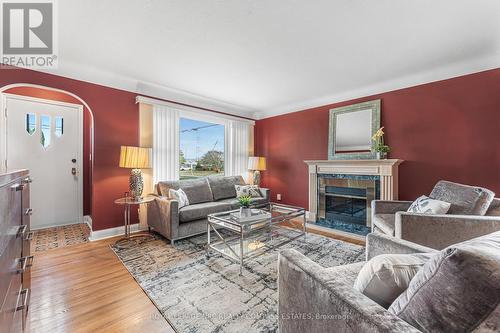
85	288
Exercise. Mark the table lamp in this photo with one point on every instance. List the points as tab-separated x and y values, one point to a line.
256	164
135	158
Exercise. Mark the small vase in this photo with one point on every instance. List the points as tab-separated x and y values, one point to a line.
245	211
381	155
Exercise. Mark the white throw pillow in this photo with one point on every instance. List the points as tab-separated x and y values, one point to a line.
385	277
426	205
251	190
180	196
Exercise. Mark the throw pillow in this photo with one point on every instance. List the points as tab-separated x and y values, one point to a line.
180	196
426	205
456	290
385	277
251	190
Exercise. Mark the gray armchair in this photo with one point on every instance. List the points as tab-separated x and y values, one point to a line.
474	212
316	299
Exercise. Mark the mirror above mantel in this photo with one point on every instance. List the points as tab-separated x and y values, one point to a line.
351	129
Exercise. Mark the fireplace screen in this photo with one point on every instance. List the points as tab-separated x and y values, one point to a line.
345	202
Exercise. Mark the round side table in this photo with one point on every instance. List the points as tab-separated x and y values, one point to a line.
127	202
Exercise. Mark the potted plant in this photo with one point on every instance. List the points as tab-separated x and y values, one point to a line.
380	147
244	202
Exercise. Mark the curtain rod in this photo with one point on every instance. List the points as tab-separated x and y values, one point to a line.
153	100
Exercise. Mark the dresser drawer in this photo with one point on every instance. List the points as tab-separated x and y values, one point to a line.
10	303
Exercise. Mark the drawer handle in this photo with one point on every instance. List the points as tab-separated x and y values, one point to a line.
29	211
21	231
26	262
29	236
27	180
17	187
24	305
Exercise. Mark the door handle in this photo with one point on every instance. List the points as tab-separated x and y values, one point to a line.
73	171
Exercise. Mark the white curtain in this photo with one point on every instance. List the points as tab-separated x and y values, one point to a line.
165	143
237	148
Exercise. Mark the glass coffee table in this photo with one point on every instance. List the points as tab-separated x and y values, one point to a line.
239	240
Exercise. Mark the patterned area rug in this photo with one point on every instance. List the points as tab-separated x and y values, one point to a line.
196	293
52	238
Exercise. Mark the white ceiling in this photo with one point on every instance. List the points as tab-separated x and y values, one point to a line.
259	58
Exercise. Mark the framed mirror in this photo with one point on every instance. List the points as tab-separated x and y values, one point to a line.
351	130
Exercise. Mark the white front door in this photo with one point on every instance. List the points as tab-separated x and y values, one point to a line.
46	138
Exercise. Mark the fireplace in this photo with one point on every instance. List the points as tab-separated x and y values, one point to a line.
341	191
344	201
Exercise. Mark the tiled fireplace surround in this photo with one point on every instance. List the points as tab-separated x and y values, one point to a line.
340	193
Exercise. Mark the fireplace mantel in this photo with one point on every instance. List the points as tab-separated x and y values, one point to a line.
387	170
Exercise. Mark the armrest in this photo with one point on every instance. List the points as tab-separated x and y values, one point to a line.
389	207
163	216
314	299
377	244
266	193
440	231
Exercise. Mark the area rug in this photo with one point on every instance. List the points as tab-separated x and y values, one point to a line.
196	293
56	237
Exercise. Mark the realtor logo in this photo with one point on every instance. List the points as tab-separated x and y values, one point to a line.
28	34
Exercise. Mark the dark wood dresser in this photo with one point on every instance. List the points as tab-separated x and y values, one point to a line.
15	253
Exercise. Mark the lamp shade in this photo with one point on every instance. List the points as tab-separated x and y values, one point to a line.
257	163
135	157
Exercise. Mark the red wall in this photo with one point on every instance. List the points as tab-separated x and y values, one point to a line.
443	130
116	119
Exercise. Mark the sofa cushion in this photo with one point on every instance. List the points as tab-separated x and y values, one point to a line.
201	210
385	222
197	190
386	276
223	186
464	199
456	290
426	205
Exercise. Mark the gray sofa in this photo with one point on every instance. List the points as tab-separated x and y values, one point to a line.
474	212
207	195
316	299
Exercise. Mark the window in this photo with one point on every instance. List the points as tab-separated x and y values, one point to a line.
45	129
201	148
30	123
59	130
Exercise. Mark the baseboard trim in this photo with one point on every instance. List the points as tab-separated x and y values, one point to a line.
87	219
112	232
47	226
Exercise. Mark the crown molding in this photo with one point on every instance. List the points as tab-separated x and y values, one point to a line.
109	79
437	74
105	78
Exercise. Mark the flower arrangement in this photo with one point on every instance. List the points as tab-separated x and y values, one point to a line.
244	201
380	147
